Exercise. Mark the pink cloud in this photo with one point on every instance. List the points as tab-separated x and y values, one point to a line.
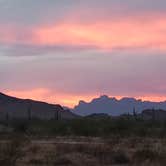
125	33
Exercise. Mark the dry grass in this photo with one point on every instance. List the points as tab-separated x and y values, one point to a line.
87	152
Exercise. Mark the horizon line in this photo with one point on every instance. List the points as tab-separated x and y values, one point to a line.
118	98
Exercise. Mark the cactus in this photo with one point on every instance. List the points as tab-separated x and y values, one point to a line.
134	113
29	111
58	115
7	119
153	114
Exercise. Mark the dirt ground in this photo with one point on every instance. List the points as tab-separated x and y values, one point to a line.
83	151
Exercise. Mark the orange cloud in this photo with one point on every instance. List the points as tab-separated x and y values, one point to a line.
153	98
126	33
123	33
36	94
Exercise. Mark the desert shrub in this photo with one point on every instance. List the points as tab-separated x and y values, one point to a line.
151	155
141	131
36	162
34	149
103	153
120	157
76	159
93	127
12	150
63	161
20	126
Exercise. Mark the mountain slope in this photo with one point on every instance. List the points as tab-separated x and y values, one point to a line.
14	108
115	107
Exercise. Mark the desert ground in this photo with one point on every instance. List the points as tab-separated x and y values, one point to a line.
80	151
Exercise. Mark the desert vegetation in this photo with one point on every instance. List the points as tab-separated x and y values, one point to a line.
80	151
83	141
105	127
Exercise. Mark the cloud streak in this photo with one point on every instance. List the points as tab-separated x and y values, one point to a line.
84	76
68	50
124	33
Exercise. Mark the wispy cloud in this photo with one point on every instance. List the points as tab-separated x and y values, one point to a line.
125	33
81	49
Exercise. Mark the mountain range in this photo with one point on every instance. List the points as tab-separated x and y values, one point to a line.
15	108
115	107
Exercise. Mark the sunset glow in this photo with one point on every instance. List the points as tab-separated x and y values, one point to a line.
67	100
144	33
47	96
107	35
66	51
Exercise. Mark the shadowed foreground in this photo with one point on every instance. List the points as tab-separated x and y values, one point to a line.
81	151
125	141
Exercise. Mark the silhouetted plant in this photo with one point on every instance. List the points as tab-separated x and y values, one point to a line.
21	126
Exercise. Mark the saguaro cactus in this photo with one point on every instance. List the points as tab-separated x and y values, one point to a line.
7	118
153	114
57	115
134	113
29	111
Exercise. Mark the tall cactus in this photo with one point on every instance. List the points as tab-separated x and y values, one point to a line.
58	115
134	113
7	118
153	114
29	111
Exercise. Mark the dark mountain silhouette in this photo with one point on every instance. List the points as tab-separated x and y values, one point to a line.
148	114
114	107
15	108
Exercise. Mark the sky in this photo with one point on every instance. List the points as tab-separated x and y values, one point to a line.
63	51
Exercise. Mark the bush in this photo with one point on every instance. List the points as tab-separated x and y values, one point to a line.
20	126
120	157
147	154
11	151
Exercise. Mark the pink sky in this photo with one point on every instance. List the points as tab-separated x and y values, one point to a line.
67	51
